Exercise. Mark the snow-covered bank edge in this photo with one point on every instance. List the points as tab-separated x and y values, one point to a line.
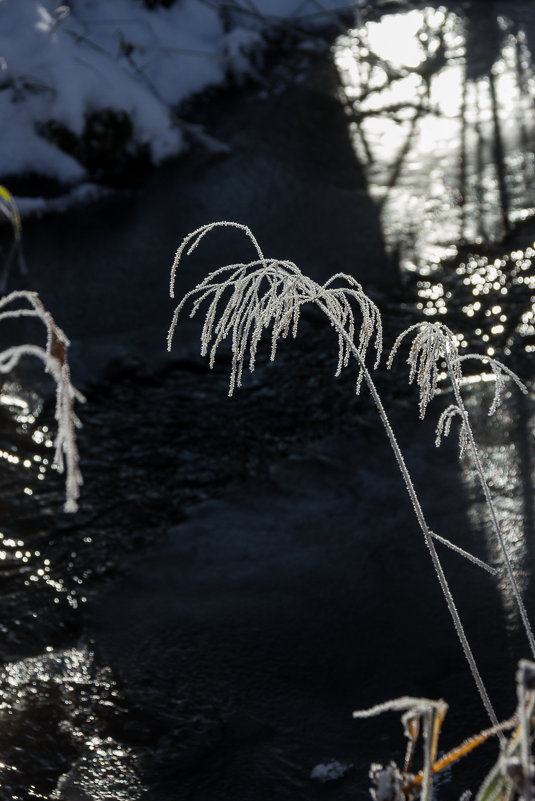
93	81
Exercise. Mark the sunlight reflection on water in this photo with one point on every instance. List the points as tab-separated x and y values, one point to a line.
505	441
445	148
440	103
69	682
16	553
444	125
495	295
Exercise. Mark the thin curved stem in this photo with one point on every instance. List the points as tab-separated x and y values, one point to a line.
494	519
422	522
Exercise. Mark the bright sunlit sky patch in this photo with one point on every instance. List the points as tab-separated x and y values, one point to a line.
396	38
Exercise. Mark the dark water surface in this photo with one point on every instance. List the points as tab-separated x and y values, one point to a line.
244	573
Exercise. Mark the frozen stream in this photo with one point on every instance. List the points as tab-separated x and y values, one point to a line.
245	572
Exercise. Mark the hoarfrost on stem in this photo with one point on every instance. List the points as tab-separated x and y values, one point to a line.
266	293
54	358
245	299
435	347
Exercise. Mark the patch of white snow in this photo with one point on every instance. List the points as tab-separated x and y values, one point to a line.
60	64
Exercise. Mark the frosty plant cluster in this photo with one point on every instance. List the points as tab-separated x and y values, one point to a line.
512	774
53	355
24	304
244	302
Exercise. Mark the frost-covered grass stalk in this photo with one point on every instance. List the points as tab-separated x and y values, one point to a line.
245	300
434	344
511	776
417	713
53	355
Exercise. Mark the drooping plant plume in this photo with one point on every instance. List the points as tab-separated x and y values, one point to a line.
435	344
248	300
24	304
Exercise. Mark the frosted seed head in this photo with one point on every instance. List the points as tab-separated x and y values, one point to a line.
432	343
245	300
444	426
54	359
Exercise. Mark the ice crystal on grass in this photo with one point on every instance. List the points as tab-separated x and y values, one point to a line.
519	766
424	716
435	348
462	552
247	299
431	343
513	775
435	344
417	712
500	372
54	358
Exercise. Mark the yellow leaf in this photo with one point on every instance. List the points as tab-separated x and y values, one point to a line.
12	211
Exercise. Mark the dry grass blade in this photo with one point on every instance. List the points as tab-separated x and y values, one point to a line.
419	714
426	716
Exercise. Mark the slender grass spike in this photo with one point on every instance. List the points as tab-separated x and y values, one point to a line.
245	300
434	343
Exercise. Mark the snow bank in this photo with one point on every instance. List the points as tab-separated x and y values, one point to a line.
61	64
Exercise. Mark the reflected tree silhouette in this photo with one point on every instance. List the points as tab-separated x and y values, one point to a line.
441	106
442	114
440	66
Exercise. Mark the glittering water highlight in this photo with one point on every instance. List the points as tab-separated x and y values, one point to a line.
445	136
